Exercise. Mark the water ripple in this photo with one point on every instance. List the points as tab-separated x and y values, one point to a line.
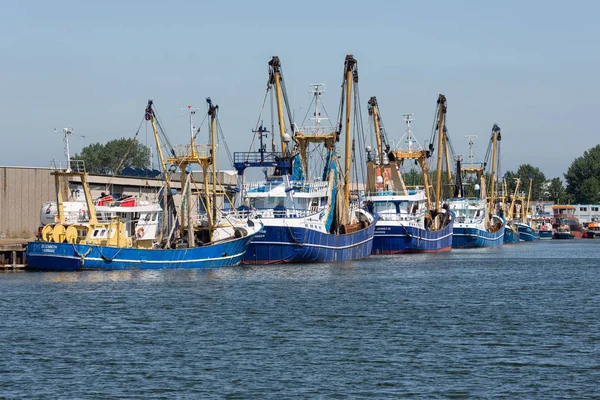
513	322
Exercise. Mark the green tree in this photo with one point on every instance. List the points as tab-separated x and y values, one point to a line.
524	172
119	153
556	191
412	177
582	177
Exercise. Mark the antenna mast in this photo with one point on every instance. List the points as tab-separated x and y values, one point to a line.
317	92
408	118
68	132
471	139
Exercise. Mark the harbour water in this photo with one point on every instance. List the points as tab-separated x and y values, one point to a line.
515	321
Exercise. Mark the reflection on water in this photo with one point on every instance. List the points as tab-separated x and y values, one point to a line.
518	321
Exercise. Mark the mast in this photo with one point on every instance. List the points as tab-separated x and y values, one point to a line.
68	132
495	137
149	116
471	139
190	221
528	198
350	65
373	110
317	92
512	203
212	112
438	175
275	78
447	155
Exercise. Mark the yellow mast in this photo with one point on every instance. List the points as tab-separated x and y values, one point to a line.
493	176
150	117
447	152
276	79
528	199
212	112
438	176
375	112
426	182
512	203
88	200
60	208
350	63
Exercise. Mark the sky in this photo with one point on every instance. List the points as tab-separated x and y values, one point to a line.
531	67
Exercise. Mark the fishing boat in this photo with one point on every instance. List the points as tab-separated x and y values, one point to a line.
526	231
477	224
543	227
563	231
305	220
407	221
505	209
156	239
564	217
541	222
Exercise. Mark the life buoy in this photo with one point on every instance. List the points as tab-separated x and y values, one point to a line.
139	232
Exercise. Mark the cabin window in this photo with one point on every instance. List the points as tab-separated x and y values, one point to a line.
154	216
95	233
384	207
594	208
582	208
201	206
147	217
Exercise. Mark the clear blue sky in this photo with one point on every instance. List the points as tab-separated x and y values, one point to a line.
531	66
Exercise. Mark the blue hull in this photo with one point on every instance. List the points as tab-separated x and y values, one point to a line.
473	237
408	239
544	235
278	245
527	234
75	257
511	236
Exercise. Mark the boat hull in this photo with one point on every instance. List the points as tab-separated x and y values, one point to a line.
510	236
392	239
281	244
545	235
75	257
467	237
527	234
563	235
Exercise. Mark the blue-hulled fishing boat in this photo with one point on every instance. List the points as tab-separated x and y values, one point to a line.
157	238
477	224
305	220
408	223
